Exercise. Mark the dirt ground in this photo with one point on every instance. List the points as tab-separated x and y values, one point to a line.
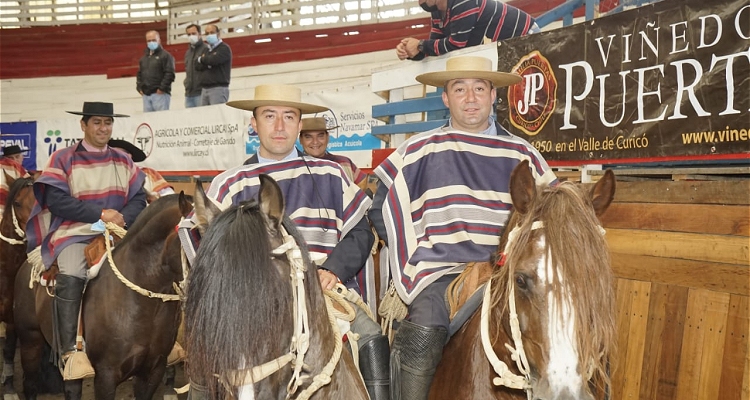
124	391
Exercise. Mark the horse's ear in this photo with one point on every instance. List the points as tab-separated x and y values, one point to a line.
205	210
522	187
185	203
270	198
603	192
9	179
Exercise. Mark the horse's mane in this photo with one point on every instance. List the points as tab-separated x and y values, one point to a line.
576	244
149	217
237	296
16	187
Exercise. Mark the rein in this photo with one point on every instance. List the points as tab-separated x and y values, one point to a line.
20	232
300	342
109	226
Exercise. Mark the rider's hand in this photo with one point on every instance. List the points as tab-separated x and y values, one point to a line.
114	216
327	279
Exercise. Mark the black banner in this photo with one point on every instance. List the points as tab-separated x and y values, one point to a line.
664	82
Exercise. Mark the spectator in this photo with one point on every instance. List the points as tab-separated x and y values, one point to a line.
442	201
10	164
215	64
155	75
457	24
68	203
192	75
314	138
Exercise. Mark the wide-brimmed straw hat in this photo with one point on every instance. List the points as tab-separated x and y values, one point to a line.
135	153
99	109
316	124
277	95
468	67
13	150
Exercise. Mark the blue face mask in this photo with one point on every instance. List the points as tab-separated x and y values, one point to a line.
212	39
152	45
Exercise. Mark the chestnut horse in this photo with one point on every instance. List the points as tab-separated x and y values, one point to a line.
553	271
128	333
240	313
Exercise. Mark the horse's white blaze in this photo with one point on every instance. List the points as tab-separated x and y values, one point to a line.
562	369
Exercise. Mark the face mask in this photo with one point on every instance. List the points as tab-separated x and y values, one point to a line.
193	39
427	8
152	45
212	39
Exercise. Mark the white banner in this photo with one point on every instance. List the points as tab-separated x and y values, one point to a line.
220	137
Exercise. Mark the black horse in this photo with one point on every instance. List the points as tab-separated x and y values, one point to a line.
127	333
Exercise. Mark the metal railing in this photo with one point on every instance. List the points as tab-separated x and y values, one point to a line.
26	13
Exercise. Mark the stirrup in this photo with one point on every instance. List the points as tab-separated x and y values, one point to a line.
77	366
176	355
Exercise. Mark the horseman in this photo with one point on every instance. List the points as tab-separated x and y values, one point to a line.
11	164
327	207
465	167
80	185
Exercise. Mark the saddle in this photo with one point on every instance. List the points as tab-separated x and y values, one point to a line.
464	294
97	249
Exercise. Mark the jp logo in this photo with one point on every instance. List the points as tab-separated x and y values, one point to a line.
532	102
53	139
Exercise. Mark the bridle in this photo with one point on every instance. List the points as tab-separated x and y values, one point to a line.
505	376
20	232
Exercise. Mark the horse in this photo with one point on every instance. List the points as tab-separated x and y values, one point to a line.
549	303
129	328
240	313
16	213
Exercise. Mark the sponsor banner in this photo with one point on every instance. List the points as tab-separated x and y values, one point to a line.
23	135
667	81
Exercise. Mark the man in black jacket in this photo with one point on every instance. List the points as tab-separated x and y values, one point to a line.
155	75
215	65
192	75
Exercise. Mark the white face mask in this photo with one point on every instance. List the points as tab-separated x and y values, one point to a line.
193	39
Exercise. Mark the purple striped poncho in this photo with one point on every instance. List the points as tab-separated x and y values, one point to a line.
106	179
448	200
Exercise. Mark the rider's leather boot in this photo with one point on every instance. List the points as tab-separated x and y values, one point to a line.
416	353
374	360
67	304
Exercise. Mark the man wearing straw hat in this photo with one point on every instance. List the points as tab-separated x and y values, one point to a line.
80	185
465	166
314	138
328	209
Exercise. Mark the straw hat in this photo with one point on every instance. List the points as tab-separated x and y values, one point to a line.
277	95
99	109
315	124
468	67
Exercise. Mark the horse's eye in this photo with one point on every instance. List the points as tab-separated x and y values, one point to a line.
521	281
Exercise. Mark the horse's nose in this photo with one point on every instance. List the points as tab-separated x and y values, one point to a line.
567	395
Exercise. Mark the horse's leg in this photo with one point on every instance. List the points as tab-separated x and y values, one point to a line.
105	383
169	376
145	384
74	389
32	343
9	355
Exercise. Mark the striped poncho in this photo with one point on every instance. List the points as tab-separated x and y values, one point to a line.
155	183
107	180
15	171
447	202
323	203
352	171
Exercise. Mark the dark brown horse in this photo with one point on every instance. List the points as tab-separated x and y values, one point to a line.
240	313
553	268
12	255
127	333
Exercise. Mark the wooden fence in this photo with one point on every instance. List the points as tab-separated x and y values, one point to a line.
680	254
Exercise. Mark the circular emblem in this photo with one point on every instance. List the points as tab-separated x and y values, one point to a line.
532	102
144	138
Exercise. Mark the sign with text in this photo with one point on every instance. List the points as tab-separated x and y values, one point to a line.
663	82
23	135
